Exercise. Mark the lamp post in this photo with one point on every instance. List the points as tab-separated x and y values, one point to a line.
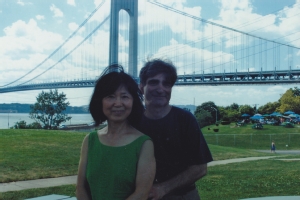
216	113
8	119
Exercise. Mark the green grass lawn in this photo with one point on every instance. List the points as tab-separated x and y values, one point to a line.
251	179
33	154
248	138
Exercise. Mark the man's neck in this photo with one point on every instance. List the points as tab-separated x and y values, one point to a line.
154	112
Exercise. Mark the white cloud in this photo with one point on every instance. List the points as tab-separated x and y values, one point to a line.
73	26
56	11
71	2
40	17
23	47
20	2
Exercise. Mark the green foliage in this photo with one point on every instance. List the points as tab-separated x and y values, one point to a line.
49	109
203	117
225	122
296	91
233	106
290	100
34	125
206	113
230	113
246	109
269	108
20	125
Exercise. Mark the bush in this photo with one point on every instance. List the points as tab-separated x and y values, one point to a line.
20	125
34	125
289	125
225	122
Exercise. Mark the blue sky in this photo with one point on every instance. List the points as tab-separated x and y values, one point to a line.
46	24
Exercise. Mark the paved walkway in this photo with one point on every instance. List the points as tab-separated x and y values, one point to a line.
68	180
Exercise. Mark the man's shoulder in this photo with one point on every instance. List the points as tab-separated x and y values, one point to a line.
181	111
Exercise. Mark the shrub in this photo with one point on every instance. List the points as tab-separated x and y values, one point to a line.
225	122
20	125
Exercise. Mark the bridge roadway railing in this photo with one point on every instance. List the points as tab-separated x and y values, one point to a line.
232	78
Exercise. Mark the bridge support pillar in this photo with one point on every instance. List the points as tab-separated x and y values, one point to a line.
131	7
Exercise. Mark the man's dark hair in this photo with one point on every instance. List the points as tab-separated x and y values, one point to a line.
158	66
110	80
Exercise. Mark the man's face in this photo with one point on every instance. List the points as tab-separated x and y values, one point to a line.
157	91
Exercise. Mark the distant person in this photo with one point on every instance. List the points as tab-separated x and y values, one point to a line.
181	151
273	147
117	162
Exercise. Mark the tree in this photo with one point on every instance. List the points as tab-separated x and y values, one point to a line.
269	108
49	109
230	113
234	106
290	101
296	91
203	117
208	107
246	109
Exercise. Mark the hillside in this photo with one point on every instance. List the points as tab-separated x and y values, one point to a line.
25	108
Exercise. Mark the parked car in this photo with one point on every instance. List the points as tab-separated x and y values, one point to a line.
62	126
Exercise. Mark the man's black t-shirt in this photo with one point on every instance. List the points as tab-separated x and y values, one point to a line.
178	144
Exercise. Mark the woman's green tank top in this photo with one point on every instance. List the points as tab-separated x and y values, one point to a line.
111	171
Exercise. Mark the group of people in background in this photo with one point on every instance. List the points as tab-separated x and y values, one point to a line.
149	149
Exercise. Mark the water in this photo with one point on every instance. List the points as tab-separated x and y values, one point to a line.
9	119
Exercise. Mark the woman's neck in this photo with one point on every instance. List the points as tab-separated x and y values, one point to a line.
115	128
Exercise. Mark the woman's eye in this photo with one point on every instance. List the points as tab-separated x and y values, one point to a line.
110	96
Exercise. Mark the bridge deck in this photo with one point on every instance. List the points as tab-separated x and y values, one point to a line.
237	78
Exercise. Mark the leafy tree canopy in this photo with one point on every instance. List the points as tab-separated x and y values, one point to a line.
269	108
247	109
296	91
210	107
203	117
49	109
290	100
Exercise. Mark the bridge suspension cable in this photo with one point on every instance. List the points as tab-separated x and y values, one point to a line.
215	24
58	48
65	56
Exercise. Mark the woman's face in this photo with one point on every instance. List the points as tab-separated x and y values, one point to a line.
117	106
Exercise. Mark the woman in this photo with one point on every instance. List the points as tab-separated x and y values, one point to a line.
117	162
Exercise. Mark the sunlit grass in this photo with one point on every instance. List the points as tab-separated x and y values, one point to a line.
251	179
33	154
248	138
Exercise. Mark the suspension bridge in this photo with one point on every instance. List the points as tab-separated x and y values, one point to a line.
205	52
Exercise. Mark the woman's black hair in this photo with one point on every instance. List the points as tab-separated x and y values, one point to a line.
110	80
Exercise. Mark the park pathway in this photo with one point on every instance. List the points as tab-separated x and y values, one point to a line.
68	180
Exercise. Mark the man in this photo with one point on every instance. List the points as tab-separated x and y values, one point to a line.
180	149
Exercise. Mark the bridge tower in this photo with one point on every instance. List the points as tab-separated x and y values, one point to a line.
131	7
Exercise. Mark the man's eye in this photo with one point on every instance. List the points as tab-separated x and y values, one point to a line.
167	84
153	82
